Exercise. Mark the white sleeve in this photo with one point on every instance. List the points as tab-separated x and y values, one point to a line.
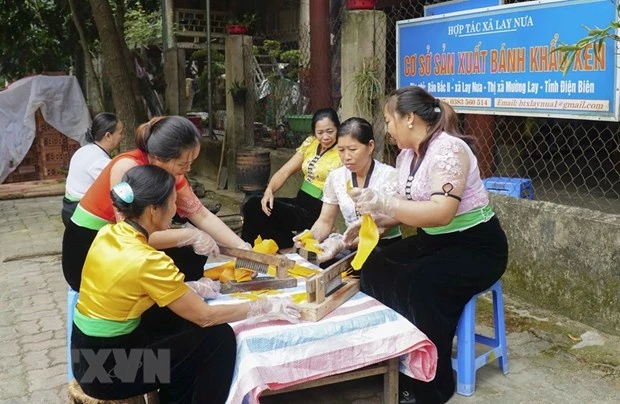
329	192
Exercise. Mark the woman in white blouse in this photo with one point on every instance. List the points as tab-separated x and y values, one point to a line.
103	136
355	146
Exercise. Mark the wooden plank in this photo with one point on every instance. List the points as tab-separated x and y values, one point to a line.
319	295
314	311
274	260
222	178
336	269
308	256
30	189
311	288
315	286
258	284
390	382
372	370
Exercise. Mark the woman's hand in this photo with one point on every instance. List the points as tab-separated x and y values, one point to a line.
330	247
351	235
297	243
245	246
205	288
368	200
201	242
274	308
267	202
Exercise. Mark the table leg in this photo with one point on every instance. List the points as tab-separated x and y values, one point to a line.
390	382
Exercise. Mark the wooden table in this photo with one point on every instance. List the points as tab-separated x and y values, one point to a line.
388	368
359	339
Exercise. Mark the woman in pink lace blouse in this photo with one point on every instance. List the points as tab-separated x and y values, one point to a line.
460	248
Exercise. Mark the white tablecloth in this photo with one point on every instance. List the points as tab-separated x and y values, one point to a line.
275	354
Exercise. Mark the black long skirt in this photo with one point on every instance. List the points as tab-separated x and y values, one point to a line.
288	215
200	367
428	279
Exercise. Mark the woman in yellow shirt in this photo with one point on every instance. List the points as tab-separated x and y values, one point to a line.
277	218
123	276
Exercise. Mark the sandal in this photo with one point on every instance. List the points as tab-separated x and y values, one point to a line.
405	397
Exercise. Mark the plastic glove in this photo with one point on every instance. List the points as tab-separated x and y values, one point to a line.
245	246
368	200
350	237
298	239
331	246
205	288
201	242
273	308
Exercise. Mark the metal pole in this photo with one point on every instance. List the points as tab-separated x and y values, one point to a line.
209	89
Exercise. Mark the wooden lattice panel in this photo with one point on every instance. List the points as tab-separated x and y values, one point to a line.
190	21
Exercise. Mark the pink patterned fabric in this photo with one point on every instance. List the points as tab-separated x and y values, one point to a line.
275	354
448	159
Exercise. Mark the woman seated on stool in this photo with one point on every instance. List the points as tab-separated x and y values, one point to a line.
460	248
103	136
172	143
355	146
123	276
277	218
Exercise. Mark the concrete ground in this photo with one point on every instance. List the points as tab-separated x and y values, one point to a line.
544	365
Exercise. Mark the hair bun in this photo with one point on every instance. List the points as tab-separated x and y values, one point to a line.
89	135
124	192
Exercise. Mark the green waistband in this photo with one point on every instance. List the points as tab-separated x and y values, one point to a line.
311	189
392	232
86	219
72	198
98	327
464	221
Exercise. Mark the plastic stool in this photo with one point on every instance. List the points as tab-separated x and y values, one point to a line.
466	362
72	298
515	187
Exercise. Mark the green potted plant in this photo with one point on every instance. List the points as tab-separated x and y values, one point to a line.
240	25
238	91
368	88
293	59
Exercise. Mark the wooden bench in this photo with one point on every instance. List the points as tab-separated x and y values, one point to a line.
388	368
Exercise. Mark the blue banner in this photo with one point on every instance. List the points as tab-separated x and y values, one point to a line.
502	61
458	5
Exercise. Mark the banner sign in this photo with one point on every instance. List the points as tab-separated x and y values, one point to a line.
501	60
458	5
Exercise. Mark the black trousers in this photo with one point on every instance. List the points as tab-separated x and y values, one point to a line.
287	215
429	279
76	242
202	362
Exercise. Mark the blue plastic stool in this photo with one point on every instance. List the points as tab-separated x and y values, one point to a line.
515	187
72	298
466	362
